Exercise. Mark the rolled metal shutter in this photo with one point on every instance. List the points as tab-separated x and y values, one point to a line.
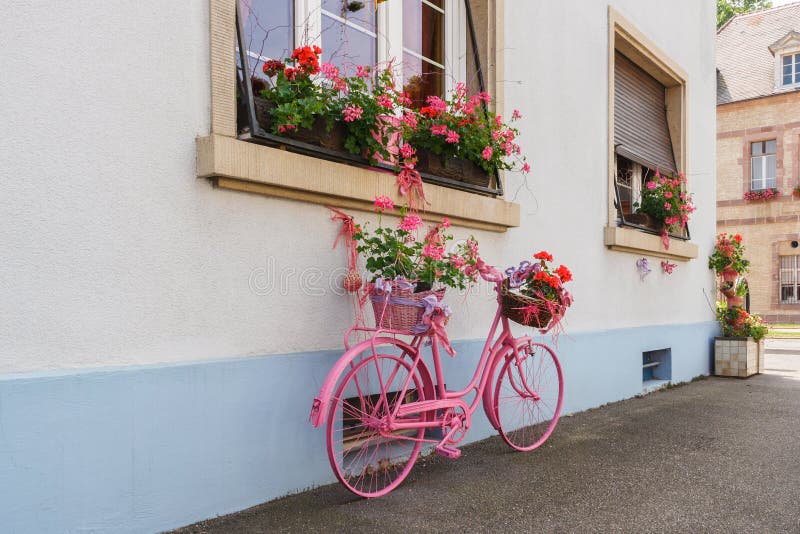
641	133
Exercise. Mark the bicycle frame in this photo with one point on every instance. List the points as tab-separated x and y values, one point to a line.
442	399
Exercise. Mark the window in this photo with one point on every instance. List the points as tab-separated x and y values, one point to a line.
763	169
630	178
646	132
425	38
642	140
790	69
790	279
423	49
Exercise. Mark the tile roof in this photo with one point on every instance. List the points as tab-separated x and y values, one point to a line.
745	65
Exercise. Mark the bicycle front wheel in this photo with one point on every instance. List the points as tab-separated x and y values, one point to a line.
528	396
367	457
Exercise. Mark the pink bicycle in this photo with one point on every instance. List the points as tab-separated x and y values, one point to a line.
381	403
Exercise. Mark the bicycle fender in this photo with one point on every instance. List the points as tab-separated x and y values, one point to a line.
319	406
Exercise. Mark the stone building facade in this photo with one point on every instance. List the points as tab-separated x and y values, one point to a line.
758	151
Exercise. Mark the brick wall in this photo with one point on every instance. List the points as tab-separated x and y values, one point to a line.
765	226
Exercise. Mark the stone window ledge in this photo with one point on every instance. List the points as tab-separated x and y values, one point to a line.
638	242
242	166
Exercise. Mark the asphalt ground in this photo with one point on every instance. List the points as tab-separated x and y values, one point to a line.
716	455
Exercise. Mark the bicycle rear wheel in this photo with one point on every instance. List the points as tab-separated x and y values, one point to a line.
369	459
528	396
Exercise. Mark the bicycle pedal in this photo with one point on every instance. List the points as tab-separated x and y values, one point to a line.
448	452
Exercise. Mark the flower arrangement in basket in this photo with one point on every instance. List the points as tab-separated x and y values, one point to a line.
665	200
411	273
533	294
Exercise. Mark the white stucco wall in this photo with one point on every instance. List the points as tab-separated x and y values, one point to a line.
115	254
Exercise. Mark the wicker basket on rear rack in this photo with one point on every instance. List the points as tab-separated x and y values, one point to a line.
404	309
526	310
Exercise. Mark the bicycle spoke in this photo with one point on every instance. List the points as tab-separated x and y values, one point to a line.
528	397
367	458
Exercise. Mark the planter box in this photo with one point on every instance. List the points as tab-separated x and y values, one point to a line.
317	135
738	356
461	170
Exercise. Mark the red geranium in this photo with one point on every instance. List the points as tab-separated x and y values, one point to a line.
564	273
543	255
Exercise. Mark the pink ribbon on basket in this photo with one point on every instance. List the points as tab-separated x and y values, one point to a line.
487	272
433	321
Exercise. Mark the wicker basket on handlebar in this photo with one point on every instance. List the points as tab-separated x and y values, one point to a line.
525	310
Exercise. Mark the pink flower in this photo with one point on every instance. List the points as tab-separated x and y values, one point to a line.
439	129
433	252
526	168
407	151
362	71
352	113
445	223
329	71
667	206
487	153
411	120
437	103
410	223
384	101
651	185
498	120
667	194
516	115
452	137
485	96
383	203
457	261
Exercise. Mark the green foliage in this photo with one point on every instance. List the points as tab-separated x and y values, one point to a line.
726	9
664	199
463	127
728	254
365	94
736	322
392	252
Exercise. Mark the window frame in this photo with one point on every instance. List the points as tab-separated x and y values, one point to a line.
796	275
232	163
763	159
623	36
258	134
794	62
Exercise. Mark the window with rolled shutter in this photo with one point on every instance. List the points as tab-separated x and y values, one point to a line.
641	133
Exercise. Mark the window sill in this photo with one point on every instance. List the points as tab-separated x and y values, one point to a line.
241	166
636	242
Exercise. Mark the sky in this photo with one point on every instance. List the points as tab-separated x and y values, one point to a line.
776	3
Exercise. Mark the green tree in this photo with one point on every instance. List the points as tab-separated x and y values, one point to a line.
728	8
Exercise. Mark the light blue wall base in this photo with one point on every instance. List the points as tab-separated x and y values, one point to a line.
151	448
